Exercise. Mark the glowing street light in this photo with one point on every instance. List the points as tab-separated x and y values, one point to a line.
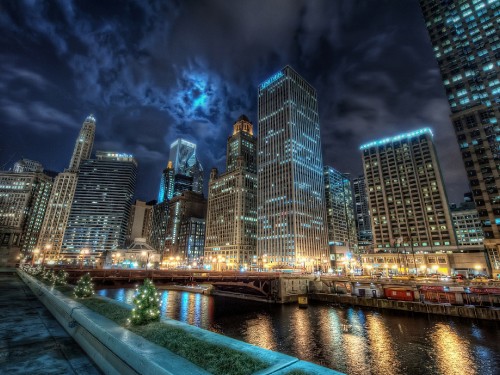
35	252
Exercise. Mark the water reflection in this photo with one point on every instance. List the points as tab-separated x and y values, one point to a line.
381	346
453	354
350	340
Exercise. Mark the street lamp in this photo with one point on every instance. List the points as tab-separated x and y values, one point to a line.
83	252
35	252
47	248
144	253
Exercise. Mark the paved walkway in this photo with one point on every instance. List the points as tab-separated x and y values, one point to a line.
31	340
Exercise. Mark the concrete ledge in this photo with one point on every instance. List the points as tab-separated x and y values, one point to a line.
117	350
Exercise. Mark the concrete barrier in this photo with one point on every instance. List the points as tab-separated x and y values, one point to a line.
116	350
424	308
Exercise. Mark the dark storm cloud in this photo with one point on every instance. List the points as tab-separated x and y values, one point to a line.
154	71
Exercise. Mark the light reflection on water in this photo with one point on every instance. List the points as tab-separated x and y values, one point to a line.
350	340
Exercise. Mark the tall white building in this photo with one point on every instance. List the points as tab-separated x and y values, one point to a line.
290	200
406	195
231	236
61	198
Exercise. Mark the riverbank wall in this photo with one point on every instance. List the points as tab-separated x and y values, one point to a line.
473	312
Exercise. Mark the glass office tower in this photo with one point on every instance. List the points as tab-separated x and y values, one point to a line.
290	200
101	208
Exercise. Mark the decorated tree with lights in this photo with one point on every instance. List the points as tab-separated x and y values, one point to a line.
84	287
60	278
147	304
48	276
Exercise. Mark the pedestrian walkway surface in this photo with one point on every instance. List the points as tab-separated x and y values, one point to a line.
31	340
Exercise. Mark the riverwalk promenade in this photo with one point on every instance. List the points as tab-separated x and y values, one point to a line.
31	340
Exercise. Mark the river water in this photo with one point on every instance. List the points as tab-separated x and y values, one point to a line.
348	339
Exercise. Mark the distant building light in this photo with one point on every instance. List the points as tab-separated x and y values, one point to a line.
396	138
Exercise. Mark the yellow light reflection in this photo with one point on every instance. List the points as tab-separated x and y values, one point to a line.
382	351
453	355
300	323
355	345
260	332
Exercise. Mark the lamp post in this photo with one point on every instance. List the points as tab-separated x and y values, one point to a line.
35	252
144	253
47	248
83	252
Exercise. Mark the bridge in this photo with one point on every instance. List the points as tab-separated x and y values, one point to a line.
284	287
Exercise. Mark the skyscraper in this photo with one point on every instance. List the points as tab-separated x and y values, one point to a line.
166	191
61	198
102	201
231	234
406	195
464	35
290	199
23	202
184	160
181	227
362	214
342	236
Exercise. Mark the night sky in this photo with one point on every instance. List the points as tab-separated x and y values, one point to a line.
154	71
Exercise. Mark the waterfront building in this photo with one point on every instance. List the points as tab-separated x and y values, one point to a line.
291	217
157	235
139	225
406	195
362	215
467	225
61	198
184	161
342	234
27	165
231	235
23	201
182	209
465	39
101	207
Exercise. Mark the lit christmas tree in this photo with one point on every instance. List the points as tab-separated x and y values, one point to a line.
48	276
84	287
61	278
147	304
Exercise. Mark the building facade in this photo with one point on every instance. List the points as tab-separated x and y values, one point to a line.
182	209
406	195
467	225
291	218
231	235
141	216
61	198
27	165
342	234
157	236
23	202
184	161
362	215
466	43
100	213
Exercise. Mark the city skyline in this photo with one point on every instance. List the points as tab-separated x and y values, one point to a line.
143	99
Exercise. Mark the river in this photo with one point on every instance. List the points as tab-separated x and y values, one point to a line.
349	339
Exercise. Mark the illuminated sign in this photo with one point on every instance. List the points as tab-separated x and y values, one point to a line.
396	138
271	79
